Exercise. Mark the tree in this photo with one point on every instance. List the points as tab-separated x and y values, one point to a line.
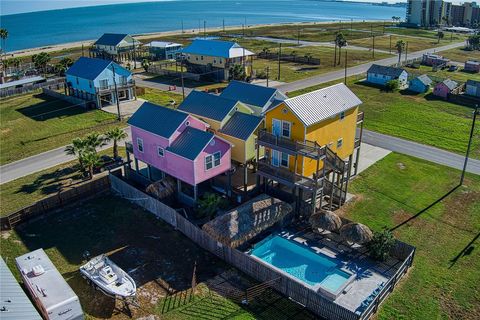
115	135
91	160
145	64
392	85
341	42
474	42
95	140
237	72
63	65
78	148
381	244
400	46
14	62
41	60
3	36
209	204
440	35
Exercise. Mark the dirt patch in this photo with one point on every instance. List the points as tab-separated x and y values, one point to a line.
455	311
456	206
5	234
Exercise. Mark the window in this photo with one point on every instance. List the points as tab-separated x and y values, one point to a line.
339	143
140	144
160	151
286	127
196	58
212	161
103	84
220	61
201	57
342	115
77	80
284	160
216	158
123	80
214	60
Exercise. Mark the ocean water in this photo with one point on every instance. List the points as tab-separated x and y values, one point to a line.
35	29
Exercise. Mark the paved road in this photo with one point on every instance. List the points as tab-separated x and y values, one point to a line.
362	68
421	151
143	82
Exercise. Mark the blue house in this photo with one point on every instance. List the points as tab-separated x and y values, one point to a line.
420	84
258	98
93	80
380	75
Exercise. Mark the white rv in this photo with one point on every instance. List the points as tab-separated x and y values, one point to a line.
50	292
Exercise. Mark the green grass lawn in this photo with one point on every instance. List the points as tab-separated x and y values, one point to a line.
461	55
419	118
156	256
34	123
291	71
24	191
425	33
444	282
163	98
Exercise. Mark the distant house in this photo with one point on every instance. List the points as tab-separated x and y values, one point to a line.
258	98
444	88
215	58
115	46
472	66
162	50
420	84
93	80
230	119
434	60
472	88
380	75
178	145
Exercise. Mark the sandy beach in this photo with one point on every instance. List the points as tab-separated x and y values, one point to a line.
147	36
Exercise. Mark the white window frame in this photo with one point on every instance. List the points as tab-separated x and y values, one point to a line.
140	143
282	154
208	159
339	143
219	153
160	150
289	129
100	83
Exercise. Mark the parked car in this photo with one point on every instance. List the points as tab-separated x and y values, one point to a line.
453	68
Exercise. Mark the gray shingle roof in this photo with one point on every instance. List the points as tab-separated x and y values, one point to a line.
425	79
248	93
190	143
12	297
385	70
241	125
207	105
322	104
450	84
159	120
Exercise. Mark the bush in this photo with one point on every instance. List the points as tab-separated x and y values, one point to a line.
381	244
209	204
392	85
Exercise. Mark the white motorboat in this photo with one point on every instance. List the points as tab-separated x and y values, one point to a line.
108	277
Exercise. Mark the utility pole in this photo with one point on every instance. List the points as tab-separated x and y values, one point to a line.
119	117
181	77
477	111
390	44
268	71
373	46
406	52
204	29
351	24
199	26
243	30
298	36
335	54
134	55
223	25
345	77
182	28
279	55
83	55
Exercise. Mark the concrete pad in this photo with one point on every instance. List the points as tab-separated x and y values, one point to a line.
369	155
263	82
127	108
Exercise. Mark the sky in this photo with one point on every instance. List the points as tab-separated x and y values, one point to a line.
21	6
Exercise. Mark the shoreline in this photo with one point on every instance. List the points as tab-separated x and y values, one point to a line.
151	35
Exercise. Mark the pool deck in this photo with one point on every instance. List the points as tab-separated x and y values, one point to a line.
370	274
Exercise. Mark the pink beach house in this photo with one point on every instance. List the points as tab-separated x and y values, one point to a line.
444	88
179	145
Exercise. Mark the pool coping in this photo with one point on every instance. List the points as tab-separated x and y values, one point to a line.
318	288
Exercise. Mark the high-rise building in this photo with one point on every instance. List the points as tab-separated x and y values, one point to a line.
432	13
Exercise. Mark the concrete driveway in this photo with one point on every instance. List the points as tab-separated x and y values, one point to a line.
127	108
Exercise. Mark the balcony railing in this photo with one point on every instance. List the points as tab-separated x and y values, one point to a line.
120	85
287	177
357	143
308	148
360	117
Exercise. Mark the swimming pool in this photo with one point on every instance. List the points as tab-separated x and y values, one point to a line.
314	269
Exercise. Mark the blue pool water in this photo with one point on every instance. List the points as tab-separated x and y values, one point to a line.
301	262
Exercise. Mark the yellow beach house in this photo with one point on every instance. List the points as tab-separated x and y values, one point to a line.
310	141
229	119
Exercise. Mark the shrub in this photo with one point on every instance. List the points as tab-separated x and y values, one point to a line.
392	85
209	204
381	244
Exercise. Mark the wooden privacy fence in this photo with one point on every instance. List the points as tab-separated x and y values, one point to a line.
68	196
244	262
55	84
289	58
70	99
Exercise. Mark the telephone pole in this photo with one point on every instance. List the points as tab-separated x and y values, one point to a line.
279	55
390	44
181	77
204	29
373	46
345	77
475	113
223	24
406	52
298	36
119	117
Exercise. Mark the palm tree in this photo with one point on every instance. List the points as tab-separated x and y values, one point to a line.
341	42
78	148
3	36
440	35
400	46
41	60
91	161
115	135
95	140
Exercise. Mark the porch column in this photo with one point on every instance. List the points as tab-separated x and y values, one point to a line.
195	192
245	177
333	190
358	150
229	182
149	172
136	165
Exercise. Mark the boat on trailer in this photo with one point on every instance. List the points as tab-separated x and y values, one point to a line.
104	274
